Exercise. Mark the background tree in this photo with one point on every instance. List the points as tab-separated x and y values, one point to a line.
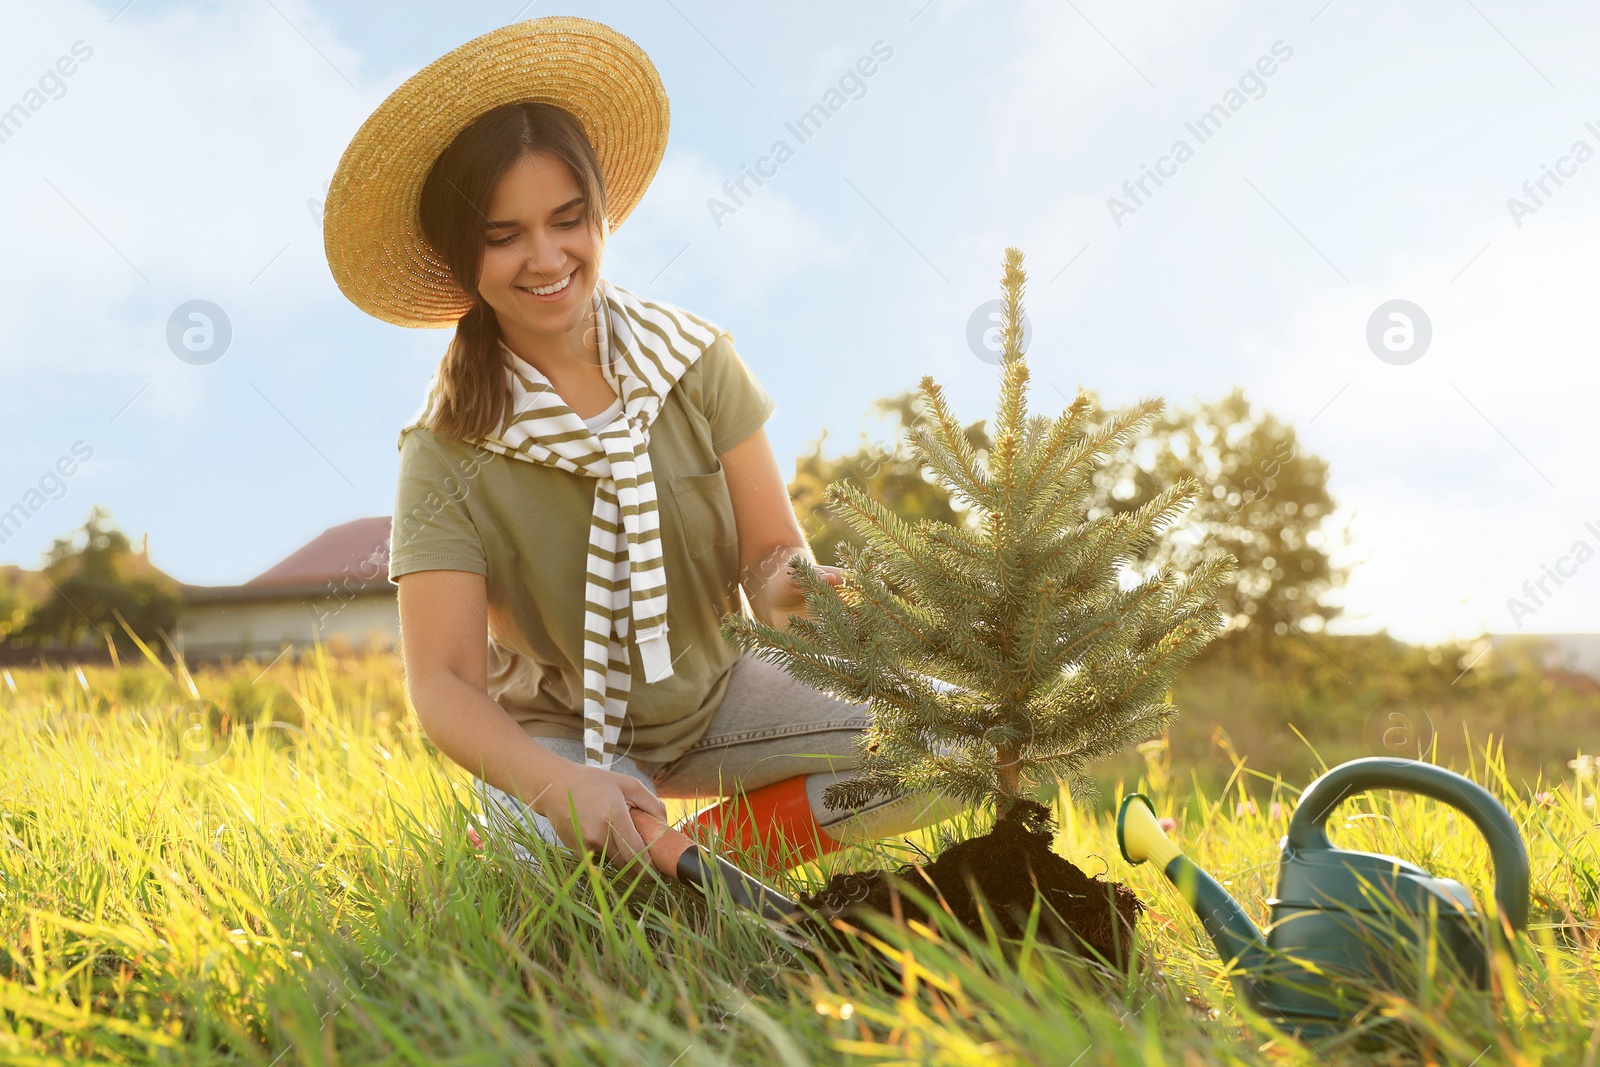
1264	500
1003	653
20	592
93	575
1265	503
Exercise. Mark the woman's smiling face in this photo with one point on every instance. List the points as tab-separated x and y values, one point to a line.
537	237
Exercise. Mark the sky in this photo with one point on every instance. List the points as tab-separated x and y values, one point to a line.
1357	154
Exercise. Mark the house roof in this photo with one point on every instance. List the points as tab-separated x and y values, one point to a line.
347	559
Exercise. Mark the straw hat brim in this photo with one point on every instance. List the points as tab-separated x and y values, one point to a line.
371	230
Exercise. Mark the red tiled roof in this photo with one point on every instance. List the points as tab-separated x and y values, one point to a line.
347	560
353	550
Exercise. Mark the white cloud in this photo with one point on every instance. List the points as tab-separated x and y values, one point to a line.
767	241
1445	460
191	141
1080	65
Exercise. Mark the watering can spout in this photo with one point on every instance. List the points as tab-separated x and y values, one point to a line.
1236	938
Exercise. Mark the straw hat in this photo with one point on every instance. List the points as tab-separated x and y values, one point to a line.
371	230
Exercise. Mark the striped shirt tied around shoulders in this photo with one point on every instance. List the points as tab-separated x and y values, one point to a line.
645	347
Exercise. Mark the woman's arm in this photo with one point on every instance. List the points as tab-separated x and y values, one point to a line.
769	533
444	637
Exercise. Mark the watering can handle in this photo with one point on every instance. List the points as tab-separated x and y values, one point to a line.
1307	830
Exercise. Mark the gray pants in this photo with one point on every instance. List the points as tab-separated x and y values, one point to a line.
768	727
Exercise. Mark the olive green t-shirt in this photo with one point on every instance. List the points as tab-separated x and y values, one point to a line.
525	528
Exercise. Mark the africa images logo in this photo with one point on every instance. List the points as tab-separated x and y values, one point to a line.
851	85
1202	128
52	85
1538	591
1537	192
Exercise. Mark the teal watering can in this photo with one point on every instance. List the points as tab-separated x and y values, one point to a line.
1342	919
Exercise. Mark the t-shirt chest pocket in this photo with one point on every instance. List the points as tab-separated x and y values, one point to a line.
705	511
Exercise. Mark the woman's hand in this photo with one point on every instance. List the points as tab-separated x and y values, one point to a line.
602	800
774	594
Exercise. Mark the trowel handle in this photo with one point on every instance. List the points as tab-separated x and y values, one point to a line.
1307	829
676	856
665	844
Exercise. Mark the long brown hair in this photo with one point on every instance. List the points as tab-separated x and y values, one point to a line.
455	198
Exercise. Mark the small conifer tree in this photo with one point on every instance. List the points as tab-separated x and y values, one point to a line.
1001	654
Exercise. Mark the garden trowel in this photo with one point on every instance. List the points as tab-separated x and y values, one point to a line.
681	859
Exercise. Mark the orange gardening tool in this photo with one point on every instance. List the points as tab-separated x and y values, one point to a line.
774	822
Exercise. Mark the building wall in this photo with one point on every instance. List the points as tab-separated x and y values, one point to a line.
264	627
1578	653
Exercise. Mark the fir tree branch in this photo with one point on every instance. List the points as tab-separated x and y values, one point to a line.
960	468
884	530
1090	447
1062	431
1048	597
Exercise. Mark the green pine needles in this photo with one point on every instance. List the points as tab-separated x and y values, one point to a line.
1006	654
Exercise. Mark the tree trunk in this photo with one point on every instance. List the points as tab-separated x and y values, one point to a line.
1008	769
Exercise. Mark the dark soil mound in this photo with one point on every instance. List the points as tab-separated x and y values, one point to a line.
1009	866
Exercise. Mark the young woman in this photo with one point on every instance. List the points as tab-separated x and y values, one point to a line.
588	487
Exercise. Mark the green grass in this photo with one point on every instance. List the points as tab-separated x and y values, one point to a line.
182	888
